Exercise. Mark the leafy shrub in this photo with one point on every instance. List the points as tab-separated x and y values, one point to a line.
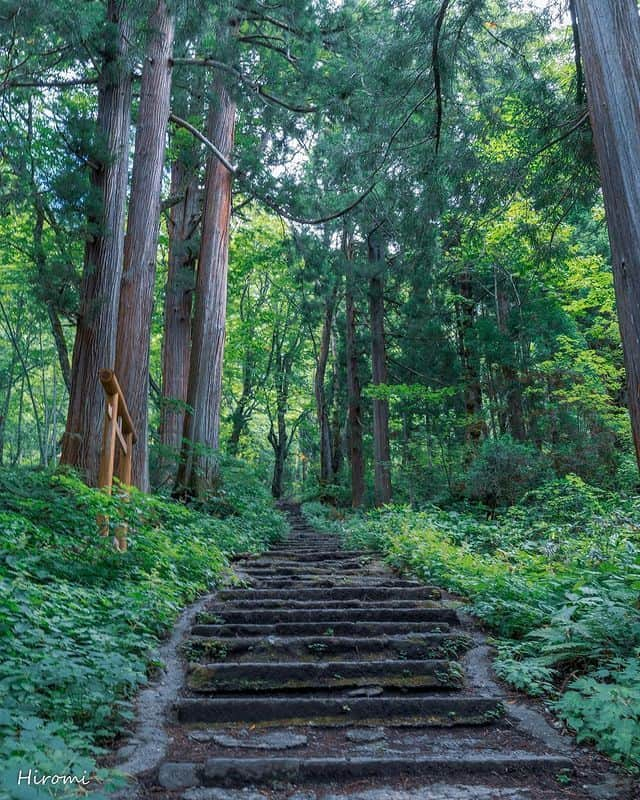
604	708
504	471
79	623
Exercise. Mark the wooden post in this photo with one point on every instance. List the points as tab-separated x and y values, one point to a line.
118	429
124	476
107	460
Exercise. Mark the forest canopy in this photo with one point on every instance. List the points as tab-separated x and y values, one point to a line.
362	245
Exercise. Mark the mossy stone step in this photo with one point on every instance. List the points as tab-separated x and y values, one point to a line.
298	554
320	629
278	571
386	593
251	771
290	676
293	605
288	564
251	649
328	615
341	711
360	581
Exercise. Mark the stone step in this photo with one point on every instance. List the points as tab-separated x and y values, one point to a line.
300	554
292	676
292	605
321	629
243	771
311	572
289	567
329	615
342	710
338	648
357	582
383	594
306	545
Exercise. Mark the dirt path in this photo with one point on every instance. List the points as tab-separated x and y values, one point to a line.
327	677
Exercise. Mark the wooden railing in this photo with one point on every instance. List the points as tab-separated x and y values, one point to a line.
118	431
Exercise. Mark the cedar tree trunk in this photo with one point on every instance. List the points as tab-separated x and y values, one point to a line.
610	42
95	342
176	345
141	241
381	449
322	406
199	465
354	394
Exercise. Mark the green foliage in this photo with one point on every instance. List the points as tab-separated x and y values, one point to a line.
556	579
504	471
79	623
604	707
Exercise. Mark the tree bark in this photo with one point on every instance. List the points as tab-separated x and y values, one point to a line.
354	394
6	402
40	259
510	378
381	448
95	341
176	346
278	436
322	406
242	412
199	465
279	443
610	42
141	241
475	426
337	415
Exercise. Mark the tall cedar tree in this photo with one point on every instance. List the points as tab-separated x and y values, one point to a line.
198	467
95	342
141	241
610	43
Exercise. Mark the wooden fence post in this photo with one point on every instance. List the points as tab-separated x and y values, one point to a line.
118	430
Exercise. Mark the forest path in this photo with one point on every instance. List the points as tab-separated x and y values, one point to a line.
328	677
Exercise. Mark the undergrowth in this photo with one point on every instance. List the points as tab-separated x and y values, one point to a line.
556	579
80	623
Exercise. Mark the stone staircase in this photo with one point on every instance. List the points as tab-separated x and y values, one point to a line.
327	673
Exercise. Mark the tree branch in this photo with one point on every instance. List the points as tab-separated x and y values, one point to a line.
563	136
61	84
435	60
257	87
182	123
303	221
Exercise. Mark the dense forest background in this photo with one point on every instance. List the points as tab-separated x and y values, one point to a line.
420	300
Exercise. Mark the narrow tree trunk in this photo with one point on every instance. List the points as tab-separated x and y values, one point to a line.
610	39
18	452
279	444
510	378
577	52
199	466
141	241
40	259
322	406
278	436
354	395
240	415
475	426
176	345
6	404
336	416
95	341
381	449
